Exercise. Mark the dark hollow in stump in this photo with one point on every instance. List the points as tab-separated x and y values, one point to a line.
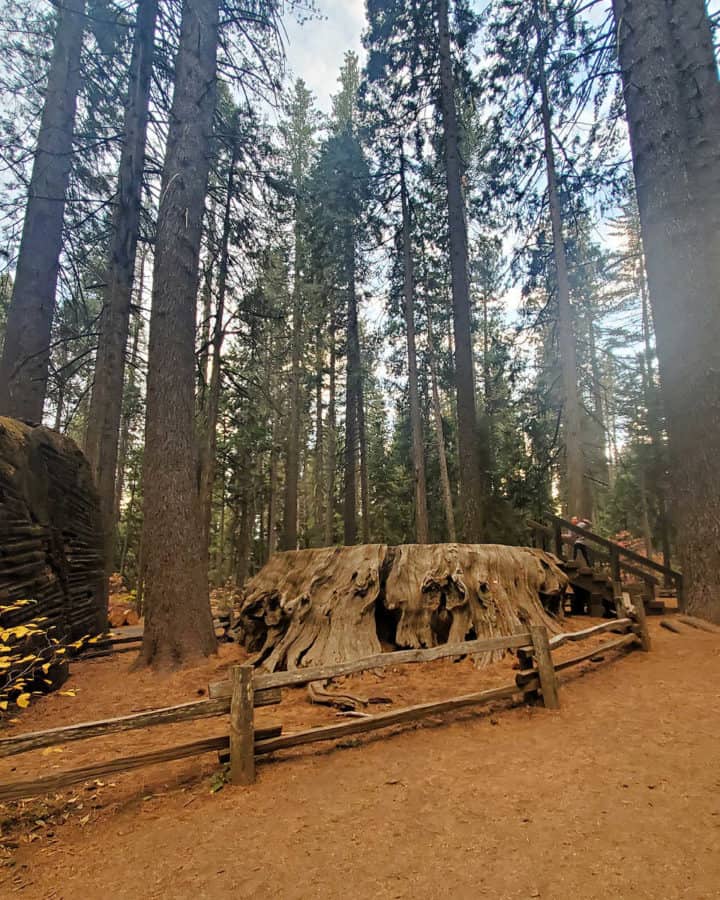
50	533
335	604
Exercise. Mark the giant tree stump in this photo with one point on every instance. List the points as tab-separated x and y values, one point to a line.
322	606
50	533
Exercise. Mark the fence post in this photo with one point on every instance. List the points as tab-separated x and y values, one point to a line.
544	663
641	627
557	533
242	728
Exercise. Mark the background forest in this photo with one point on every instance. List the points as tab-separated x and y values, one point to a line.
423	316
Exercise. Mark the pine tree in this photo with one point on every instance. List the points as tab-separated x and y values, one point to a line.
672	94
26	351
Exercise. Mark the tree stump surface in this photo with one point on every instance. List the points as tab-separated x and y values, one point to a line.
323	606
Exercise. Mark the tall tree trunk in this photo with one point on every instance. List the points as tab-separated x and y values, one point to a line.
672	94
597	430
245	531
26	350
178	623
364	476
329	537
471	500
289	538
319	466
439	436
644	513
208	449
422	527
352	400
103	433
127	416
578	499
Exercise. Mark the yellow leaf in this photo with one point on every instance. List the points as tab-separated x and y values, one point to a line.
23	701
67	693
3	704
60	650
48	750
45	667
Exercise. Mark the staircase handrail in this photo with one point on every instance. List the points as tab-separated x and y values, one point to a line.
612	546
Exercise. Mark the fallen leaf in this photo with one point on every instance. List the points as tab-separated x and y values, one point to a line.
67	693
23	701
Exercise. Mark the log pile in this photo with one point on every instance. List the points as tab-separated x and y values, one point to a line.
323	606
50	535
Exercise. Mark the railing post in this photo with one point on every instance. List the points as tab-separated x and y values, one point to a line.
614	564
559	541
545	667
618	598
242	726
641	627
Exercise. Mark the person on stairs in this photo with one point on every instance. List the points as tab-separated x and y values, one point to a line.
580	547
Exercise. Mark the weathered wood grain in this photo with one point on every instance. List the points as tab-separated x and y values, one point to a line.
242	725
384	720
298	677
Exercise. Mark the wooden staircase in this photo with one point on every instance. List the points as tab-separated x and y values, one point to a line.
594	588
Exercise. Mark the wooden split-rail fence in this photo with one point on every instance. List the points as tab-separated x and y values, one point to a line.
248	689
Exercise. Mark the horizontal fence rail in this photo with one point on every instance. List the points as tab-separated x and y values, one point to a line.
248	689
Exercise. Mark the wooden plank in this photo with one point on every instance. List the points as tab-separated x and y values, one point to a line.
546	671
263	696
384	720
199	709
522	678
18	789
261	734
242	726
382	660
620	625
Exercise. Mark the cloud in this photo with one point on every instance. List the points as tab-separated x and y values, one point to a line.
316	49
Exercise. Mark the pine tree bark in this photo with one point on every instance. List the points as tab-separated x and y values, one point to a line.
127	414
353	390
289	539
26	350
422	527
178	623
672	95
103	432
329	536
208	450
471	499
576	495
439	436
319	461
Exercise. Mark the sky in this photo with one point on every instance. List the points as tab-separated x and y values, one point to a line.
316	49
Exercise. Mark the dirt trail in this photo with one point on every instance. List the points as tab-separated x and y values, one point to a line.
615	795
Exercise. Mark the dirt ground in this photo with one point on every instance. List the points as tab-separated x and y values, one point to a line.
615	795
